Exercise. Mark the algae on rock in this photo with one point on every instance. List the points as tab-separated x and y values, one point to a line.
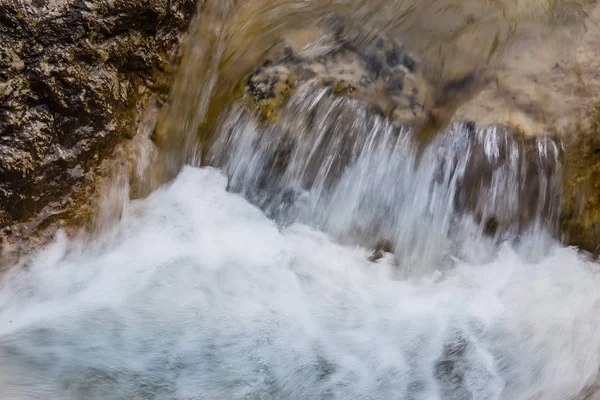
75	77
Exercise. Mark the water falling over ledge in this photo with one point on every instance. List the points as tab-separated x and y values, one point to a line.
331	162
328	255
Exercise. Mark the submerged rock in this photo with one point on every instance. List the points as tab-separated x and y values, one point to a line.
510	180
75	77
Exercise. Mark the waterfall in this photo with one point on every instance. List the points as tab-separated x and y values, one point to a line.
328	254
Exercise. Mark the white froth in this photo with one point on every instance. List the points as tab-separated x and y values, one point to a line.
197	295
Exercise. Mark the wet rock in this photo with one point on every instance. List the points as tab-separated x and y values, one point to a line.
510	181
548	85
376	69
384	246
75	76
581	215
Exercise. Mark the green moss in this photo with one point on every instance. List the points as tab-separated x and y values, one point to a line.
342	88
270	107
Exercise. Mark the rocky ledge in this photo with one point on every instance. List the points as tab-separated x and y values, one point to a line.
525	99
376	69
75	79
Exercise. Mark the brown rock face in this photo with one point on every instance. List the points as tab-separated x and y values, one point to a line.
510	181
548	85
378	70
581	216
75	77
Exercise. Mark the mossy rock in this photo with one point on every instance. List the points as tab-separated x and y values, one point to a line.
376	69
76	77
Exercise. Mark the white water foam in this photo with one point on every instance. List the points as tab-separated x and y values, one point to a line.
195	294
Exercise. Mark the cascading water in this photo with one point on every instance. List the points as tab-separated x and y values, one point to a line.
328	255
334	165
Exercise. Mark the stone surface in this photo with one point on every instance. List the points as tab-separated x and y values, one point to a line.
378	70
581	215
533	92
75	78
375	68
549	85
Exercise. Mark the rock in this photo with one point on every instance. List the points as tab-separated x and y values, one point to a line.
75	77
382	73
510	181
548	85
377	70
581	215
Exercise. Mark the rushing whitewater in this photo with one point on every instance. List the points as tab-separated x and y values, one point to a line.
328	254
196	294
267	279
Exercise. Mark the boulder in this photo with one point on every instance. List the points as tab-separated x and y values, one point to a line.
374	68
547	85
75	79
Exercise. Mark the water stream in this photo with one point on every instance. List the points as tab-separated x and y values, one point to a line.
329	255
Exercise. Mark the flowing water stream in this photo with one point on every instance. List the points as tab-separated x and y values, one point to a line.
329	255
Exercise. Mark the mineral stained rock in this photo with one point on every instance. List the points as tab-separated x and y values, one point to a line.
534	92
75	78
375	69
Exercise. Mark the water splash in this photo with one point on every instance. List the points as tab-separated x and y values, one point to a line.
197	294
333	258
